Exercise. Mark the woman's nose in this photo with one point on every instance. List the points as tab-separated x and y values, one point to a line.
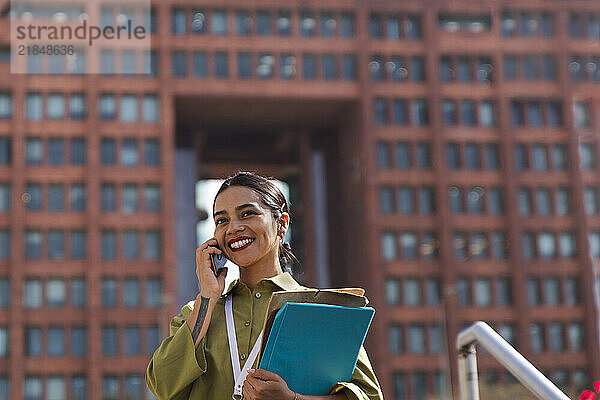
235	226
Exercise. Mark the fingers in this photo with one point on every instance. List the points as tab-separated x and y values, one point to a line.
263	374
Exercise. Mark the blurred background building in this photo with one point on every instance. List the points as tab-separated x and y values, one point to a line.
442	154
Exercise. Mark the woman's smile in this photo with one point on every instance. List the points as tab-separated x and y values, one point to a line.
240	243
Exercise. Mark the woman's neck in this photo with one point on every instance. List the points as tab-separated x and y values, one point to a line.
265	268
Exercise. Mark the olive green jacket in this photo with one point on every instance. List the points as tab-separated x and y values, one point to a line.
177	371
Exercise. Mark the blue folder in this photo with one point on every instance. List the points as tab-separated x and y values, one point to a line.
314	346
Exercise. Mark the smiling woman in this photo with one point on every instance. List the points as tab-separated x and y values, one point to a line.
251	218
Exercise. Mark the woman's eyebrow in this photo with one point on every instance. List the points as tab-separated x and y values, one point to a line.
238	208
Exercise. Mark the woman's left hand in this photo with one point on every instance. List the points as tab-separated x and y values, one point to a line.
264	385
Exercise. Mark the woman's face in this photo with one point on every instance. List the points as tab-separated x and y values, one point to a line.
244	226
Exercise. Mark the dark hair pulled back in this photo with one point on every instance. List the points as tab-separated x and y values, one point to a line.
273	198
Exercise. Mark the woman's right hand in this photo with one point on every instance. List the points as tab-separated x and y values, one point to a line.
211	286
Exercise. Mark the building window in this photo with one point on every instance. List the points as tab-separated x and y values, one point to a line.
110	346
572	291
542	201
403	156
5	151
32	388
129	199
32	293
551	292
221	64
472	159
4	343
129	152
55	293
56	342
426	200
284	27
347	25
131	245
107	107
406	200
536	333
503	292
395	339
567	246
5	293
309	66
150	108
151	152
5	244
555	335
152	245
107	62
388	246
56	244
400	386
587	154
33	107
78	151
131	295
412	292
575	336
33	245
307	24
483	292
392	291
432	292
56	197
6	106
416	339
133	387
546	245
559	157
487	113
5	197
132	341
179	61
33	151
109	293
108	245
424	158
244	65
33	342
77	197
55	106
330	70
435	339
78	341
383	155
386	200
108	150
153	292
108	197
34	198
408	245
129	108
242	23
219	23
78	245
200	64
178	24
463	292
77	293
152	339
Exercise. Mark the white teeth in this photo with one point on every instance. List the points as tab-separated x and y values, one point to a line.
241	243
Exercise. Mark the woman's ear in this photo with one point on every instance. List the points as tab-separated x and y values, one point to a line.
284	223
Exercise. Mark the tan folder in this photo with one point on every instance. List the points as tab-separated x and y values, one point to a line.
347	297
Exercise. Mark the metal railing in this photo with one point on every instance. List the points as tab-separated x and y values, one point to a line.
481	333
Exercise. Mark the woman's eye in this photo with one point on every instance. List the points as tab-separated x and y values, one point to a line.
245	213
219	221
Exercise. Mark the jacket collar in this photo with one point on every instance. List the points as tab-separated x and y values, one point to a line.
284	281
